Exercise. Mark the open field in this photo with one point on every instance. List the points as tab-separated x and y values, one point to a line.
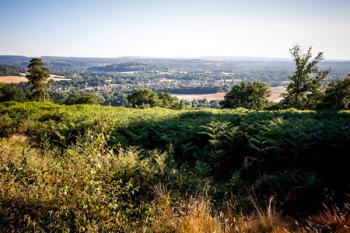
13	79
209	97
22	79
276	95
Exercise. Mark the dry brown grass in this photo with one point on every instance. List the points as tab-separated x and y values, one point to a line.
197	215
331	220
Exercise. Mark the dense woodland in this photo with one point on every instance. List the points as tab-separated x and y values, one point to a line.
160	165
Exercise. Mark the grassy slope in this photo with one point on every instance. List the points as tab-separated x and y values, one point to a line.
67	167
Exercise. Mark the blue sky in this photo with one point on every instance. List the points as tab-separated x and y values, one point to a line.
173	28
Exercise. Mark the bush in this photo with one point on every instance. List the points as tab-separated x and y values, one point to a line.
76	192
247	95
83	98
143	98
9	92
337	95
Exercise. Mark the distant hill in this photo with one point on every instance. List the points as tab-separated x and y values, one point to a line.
123	67
249	66
10	60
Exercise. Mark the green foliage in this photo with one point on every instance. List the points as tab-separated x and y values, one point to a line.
37	77
95	167
203	103
142	98
9	92
83	98
8	125
58	97
337	94
116	99
247	95
165	100
304	90
76	192
6	70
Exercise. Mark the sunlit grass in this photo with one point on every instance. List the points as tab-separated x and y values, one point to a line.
104	169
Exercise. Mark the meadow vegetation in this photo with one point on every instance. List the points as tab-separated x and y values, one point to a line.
89	168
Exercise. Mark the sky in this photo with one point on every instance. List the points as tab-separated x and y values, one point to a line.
173	28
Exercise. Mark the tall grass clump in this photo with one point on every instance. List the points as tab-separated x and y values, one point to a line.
45	191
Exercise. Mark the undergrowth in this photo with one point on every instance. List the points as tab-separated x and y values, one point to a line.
102	169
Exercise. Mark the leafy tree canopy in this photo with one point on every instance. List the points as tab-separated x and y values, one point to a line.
116	99
10	92
143	98
304	90
247	95
168	101
337	94
83	98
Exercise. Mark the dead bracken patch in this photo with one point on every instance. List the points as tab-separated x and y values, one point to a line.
19	137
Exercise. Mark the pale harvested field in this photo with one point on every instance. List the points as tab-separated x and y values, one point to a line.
276	95
21	79
13	79
209	97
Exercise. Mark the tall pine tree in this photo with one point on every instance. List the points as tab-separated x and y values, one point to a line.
38	75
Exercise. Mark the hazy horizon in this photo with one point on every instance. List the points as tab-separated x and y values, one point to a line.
209	58
174	29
